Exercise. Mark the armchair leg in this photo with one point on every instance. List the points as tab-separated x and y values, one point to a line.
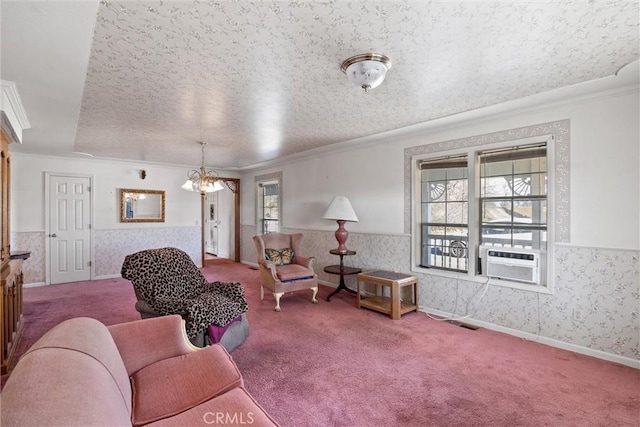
315	292
277	297
261	292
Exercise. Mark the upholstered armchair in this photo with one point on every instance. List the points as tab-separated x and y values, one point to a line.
282	268
166	281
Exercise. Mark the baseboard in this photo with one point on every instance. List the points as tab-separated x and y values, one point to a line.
328	284
107	276
633	363
34	285
250	264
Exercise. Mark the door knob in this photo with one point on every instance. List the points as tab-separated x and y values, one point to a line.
53	235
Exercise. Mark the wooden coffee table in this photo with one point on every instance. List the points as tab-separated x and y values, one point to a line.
391	305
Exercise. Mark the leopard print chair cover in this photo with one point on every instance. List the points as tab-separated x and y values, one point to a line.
170	283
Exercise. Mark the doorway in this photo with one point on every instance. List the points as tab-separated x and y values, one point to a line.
221	221
68	213
211	225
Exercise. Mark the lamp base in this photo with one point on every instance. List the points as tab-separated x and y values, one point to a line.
341	236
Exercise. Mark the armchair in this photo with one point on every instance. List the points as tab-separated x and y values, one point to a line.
166	281
282	268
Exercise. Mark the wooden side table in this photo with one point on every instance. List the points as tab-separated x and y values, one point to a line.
391	305
342	271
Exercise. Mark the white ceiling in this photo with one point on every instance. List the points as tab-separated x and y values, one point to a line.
261	80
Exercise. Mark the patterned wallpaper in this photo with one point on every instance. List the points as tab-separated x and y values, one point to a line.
111	246
32	268
595	304
560	130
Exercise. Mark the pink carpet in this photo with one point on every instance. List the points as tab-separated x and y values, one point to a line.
331	364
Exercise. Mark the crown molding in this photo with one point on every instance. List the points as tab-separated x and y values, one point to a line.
607	87
12	103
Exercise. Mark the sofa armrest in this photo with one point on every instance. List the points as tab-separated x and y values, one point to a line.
270	267
304	261
144	342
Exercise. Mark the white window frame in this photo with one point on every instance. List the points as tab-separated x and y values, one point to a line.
261	180
419	224
474	213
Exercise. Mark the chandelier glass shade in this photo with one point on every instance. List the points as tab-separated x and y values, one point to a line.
134	196
202	180
366	70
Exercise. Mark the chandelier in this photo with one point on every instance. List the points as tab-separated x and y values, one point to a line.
366	70
202	180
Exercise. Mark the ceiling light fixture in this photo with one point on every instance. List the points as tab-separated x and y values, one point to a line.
366	70
202	180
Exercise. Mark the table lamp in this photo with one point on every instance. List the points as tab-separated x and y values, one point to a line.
340	210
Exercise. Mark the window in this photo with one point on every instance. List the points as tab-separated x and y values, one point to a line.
268	202
513	197
444	206
269	217
481	198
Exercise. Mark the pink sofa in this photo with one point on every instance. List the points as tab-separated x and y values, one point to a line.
83	373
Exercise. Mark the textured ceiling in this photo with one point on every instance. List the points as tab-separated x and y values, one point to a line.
261	80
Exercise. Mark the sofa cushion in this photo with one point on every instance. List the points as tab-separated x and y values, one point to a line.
174	385
62	387
91	337
235	407
280	256
293	272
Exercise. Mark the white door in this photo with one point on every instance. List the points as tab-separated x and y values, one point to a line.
211	224
69	229
225	217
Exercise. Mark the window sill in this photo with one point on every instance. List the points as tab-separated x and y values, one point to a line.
542	289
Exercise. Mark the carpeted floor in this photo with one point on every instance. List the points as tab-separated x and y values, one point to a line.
331	364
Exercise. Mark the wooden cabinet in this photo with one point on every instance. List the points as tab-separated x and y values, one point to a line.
4	196
10	270
11	310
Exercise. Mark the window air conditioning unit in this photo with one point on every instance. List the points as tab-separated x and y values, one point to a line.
521	265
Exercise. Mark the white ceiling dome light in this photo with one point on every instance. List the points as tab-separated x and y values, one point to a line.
367	70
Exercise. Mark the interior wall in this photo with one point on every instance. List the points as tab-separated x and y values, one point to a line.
597	269
112	239
603	167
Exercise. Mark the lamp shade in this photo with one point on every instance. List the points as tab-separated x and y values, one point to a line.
340	209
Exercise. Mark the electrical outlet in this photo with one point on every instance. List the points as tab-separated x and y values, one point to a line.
577	315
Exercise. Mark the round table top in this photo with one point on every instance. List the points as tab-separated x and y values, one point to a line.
344	271
337	252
